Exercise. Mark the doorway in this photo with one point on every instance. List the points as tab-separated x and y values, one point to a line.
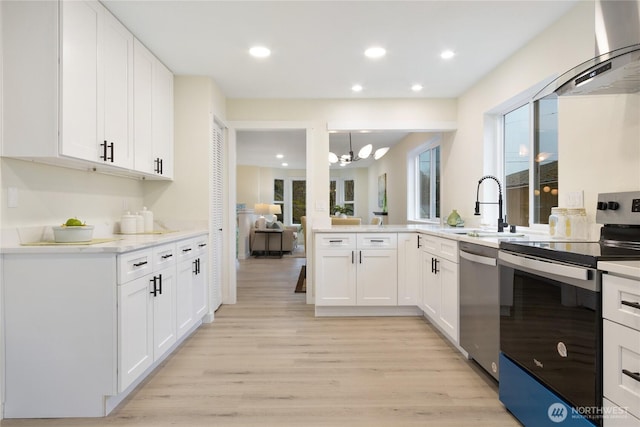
263	165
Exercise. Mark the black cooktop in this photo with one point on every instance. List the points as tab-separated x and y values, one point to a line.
580	253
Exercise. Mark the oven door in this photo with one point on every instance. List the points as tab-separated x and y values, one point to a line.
551	325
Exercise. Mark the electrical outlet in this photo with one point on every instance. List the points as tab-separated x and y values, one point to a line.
574	199
12	197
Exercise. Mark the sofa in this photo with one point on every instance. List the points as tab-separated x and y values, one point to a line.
258	241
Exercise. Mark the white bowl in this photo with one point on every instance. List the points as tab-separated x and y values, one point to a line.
72	234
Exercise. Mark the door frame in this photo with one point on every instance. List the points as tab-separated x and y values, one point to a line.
229	290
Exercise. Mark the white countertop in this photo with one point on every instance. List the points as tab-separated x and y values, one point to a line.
122	243
435	230
630	269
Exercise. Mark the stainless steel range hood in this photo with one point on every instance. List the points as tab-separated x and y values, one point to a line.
616	67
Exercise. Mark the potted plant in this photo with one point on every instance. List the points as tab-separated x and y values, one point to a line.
342	211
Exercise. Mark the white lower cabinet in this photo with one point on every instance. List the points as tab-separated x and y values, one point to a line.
621	349
408	269
356	269
146	315
440	287
82	329
191	292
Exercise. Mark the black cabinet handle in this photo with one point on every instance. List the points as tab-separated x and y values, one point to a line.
360	257
634	375
433	263
167	256
155	289
160	283
195	266
186	250
198	260
104	150
418	241
352	257
376	241
631	304
202	245
111	150
335	241
435	270
140	264
157	165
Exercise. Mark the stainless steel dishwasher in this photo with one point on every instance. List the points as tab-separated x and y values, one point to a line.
480	305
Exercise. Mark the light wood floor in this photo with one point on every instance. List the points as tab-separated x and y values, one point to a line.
267	361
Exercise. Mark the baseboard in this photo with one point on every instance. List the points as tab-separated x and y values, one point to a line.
349	311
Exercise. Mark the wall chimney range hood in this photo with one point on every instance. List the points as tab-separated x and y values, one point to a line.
616	67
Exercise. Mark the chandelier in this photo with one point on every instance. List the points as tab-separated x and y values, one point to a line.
363	153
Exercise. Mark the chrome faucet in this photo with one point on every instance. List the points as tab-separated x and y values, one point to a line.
501	221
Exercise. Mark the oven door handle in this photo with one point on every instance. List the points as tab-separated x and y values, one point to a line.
492	262
546	266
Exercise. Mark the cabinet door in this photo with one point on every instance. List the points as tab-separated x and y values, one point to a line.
408	269
430	286
336	277
143	78
199	287
184	295
449	312
162	118
135	330
81	74
377	277
164	311
118	93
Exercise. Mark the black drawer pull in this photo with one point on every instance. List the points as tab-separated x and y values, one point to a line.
186	250
634	375
376	241
202	245
167	256
631	304
139	264
335	241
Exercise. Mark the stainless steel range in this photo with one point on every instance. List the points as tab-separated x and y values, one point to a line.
551	317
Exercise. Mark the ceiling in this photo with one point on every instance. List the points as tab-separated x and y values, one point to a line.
318	52
317	46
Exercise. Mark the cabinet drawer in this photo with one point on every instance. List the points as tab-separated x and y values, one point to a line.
201	244
621	366
444	248
621	300
615	416
132	265
164	256
378	241
336	241
186	249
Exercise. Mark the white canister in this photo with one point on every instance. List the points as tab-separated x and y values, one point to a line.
128	223
557	223
139	223
148	220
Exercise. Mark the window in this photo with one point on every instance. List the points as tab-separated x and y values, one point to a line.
291	195
530	138
342	193
424	182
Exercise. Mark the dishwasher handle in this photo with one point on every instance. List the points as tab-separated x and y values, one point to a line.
492	262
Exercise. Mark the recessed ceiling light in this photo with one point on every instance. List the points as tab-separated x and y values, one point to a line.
285	164
279	156
259	52
357	88
416	87
447	54
375	52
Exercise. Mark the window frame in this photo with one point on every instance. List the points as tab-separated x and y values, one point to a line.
413	182
494	148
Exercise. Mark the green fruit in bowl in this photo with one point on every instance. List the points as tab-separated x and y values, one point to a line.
74	222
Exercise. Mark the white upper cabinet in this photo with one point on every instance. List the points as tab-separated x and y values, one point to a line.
153	114
69	87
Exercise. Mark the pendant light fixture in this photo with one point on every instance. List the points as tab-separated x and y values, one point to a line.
364	153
